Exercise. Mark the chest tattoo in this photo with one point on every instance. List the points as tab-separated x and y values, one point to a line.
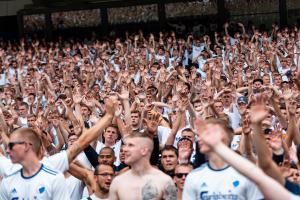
149	192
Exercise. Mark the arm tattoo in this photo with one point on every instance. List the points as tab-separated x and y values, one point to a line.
149	192
170	191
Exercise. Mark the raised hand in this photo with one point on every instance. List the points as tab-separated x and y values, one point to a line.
292	107
88	101
124	94
275	142
77	98
118	111
152	123
240	24
258	113
68	102
246	124
287	94
51	101
136	37
212	135
184	150
110	106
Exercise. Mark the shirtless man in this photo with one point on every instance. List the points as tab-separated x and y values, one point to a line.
142	181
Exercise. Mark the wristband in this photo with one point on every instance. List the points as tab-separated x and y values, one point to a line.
279	152
183	162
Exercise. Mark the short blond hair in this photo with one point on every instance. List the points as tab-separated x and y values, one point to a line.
32	136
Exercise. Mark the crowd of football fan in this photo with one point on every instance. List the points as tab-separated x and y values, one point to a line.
165	85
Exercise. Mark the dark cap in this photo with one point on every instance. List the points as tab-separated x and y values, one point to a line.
242	99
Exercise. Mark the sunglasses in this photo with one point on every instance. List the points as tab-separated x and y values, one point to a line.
12	144
180	175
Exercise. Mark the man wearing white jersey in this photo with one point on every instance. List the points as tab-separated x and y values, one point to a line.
270	188
63	159
60	161
216	179
33	180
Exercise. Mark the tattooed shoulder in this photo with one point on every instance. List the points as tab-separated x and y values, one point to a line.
149	191
170	191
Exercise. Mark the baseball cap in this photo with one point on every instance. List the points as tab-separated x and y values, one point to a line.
242	99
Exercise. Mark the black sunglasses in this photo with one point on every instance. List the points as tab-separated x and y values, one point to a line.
12	144
180	175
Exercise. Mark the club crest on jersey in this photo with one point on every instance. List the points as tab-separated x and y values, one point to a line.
42	189
236	183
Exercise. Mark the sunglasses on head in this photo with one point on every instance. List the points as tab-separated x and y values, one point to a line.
180	175
12	144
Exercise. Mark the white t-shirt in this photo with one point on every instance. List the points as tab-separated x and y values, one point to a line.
3	80
161	58
75	187
58	162
234	116
197	50
295	197
93	197
116	147
24	122
207	183
46	184
163	134
84	161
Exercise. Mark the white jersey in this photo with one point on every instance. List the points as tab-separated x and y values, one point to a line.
75	187
116	147
206	183
93	197
83	160
58	162
46	184
295	197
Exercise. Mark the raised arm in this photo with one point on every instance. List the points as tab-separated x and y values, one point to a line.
82	174
124	97
93	133
226	29
172	135
270	188
293	133
246	140
258	114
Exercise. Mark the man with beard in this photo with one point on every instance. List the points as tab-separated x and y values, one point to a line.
98	183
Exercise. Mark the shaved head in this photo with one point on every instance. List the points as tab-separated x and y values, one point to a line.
145	140
138	147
